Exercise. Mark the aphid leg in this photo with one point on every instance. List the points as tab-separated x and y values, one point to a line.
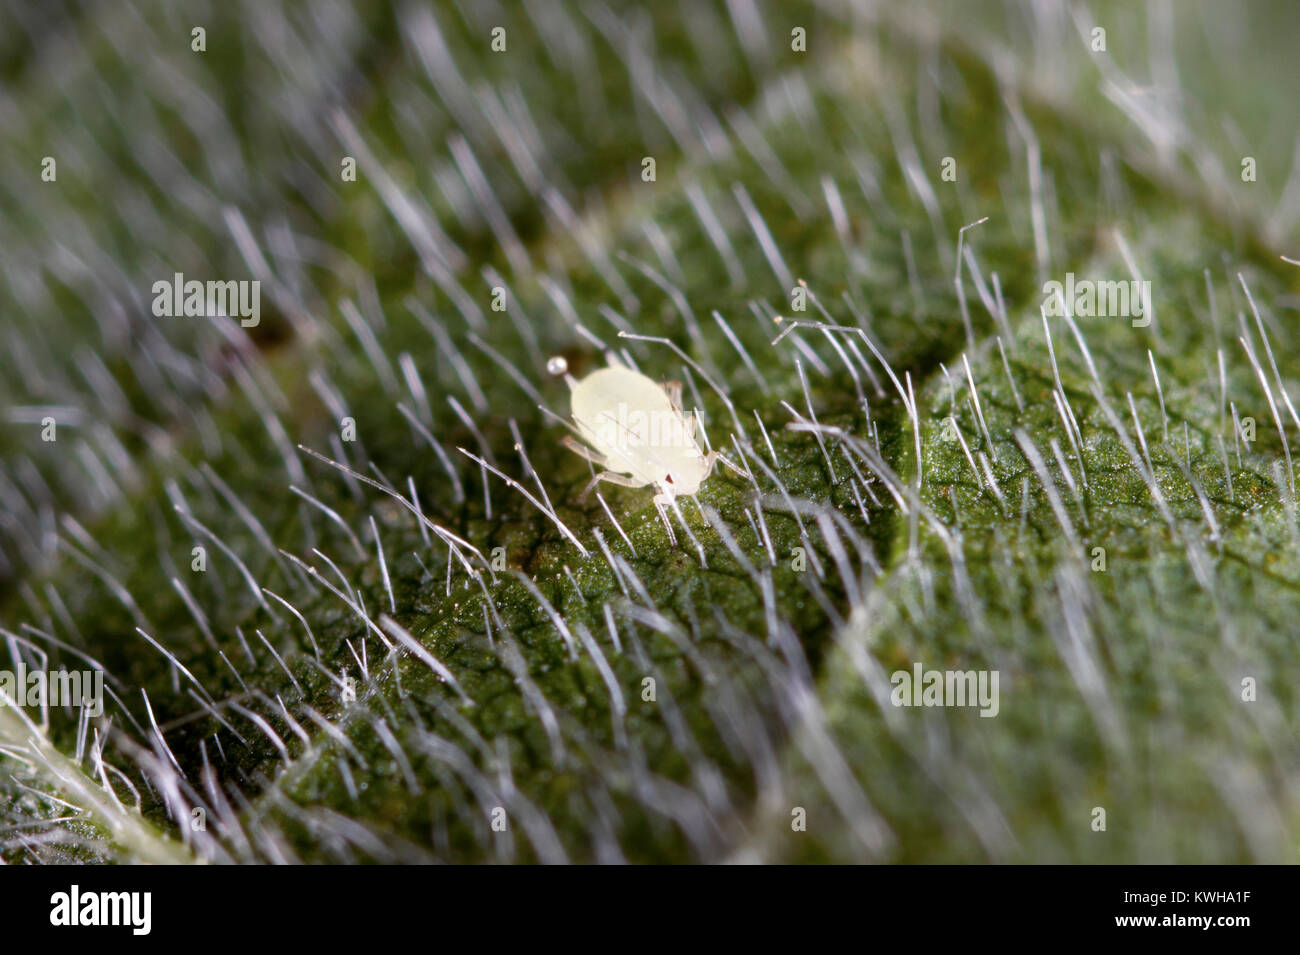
577	447
674	390
712	458
611	477
662	501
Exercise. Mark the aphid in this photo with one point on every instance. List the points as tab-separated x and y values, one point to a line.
638	433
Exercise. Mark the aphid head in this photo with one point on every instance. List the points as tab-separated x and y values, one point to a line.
682	481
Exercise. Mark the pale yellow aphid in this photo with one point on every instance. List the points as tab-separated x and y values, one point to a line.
637	432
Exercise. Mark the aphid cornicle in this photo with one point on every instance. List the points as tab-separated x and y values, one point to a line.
637	432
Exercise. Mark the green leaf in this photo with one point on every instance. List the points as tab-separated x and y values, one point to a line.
360	674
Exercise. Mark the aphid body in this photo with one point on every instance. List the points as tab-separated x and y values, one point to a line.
637	432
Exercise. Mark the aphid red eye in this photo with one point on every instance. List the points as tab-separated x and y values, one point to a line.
668	478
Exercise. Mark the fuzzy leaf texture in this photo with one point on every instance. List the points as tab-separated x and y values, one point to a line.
411	641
